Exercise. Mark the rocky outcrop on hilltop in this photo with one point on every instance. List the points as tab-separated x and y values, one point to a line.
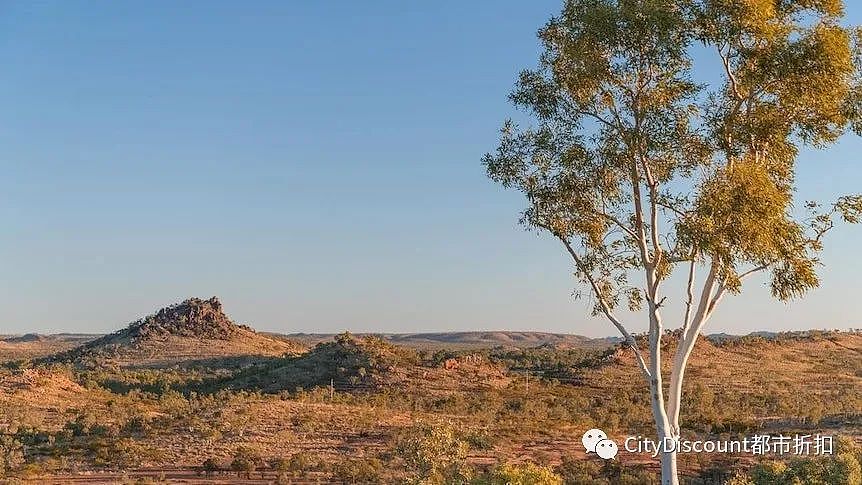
194	329
192	318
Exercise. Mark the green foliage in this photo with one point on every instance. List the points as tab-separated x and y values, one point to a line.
740	479
522	474
87	424
117	431
246	460
434	455
635	167
120	453
842	468
741	215
591	472
153	381
11	455
302	463
137	425
480	440
363	470
354	362
637	170
210	466
547	362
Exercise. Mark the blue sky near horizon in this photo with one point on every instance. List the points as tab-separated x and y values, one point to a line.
314	164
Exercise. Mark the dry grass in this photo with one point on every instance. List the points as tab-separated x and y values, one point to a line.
523	419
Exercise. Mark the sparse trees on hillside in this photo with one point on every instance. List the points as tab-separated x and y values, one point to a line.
11	455
640	172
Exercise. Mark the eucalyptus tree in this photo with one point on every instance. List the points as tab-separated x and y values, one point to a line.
641	172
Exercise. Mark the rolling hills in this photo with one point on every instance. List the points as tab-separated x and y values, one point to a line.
506	403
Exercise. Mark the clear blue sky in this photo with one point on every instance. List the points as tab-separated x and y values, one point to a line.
315	164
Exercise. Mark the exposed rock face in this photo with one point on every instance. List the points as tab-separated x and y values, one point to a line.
192	330
191	318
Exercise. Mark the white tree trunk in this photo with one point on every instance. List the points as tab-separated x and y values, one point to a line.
665	413
663	424
669	473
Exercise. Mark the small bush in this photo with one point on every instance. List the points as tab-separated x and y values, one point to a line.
841	468
523	474
367	470
302	463
210	466
11	455
434	454
245	460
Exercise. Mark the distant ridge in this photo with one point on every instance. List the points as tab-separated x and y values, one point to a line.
470	339
28	337
526	339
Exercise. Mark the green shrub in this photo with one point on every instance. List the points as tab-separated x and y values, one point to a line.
120	452
523	474
245	460
841	468
368	470
302	463
434	455
210	466
480	440
592	472
11	455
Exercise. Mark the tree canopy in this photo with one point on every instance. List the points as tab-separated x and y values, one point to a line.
634	163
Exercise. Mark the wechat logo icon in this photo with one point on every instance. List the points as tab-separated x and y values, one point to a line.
596	441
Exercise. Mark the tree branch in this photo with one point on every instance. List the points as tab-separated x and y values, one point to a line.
687	341
639	221
730	75
603	304
690	296
753	270
619	224
672	209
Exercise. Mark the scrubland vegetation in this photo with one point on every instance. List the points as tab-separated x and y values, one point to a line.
363	410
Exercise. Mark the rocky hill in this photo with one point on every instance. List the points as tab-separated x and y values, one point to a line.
193	330
192	318
346	360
